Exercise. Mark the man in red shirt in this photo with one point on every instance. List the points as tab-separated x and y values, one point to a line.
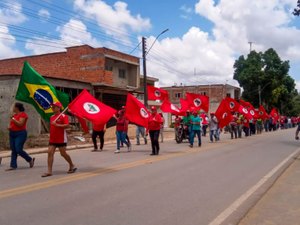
59	122
154	125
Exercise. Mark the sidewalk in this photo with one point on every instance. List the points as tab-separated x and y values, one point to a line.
281	204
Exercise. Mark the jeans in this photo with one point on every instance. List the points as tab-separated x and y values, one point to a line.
193	135
95	134
17	140
213	133
121	138
154	136
204	128
233	131
140	131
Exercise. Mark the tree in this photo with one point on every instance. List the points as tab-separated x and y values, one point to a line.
268	74
296	11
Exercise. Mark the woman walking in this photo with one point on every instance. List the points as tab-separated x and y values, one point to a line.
121	131
58	138
18	136
98	131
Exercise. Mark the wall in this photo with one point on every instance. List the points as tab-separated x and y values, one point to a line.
8	89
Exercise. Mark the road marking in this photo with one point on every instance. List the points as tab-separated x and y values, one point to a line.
237	203
101	171
80	176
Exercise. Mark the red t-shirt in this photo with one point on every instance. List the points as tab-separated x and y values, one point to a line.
98	127
18	116
58	135
121	124
155	122
246	123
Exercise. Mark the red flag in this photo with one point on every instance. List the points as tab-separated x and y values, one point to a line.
83	124
198	101
87	107
245	112
136	112
184	105
223	114
274	114
168	107
155	93
262	113
232	104
245	104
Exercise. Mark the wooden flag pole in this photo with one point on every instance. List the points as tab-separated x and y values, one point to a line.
61	114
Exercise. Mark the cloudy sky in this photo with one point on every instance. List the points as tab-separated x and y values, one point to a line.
204	38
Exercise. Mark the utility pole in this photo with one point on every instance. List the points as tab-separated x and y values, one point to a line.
250	43
145	71
259	95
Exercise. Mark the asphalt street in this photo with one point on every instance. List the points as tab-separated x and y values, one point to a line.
214	184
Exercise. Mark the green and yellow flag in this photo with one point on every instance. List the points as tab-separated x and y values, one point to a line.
35	90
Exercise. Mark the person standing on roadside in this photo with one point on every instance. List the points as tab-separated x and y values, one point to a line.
98	131
59	122
154	126
196	129
18	136
213	127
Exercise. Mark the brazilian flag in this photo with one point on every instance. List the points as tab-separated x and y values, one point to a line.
35	90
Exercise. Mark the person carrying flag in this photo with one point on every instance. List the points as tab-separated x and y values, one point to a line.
154	126
213	127
98	131
59	122
121	131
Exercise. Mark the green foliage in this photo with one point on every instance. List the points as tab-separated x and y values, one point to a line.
269	74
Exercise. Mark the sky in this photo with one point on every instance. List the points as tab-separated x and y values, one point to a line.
203	40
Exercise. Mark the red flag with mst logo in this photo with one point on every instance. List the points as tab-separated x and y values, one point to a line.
155	93
88	107
168	107
136	112
198	101
223	114
232	104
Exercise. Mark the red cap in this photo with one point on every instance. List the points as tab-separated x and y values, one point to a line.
153	108
57	104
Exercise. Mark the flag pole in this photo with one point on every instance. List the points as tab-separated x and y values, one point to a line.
61	114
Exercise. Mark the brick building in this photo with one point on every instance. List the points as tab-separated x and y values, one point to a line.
107	73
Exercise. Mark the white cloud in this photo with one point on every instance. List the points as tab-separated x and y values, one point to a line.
266	23
71	34
186	12
115	20
44	14
11	16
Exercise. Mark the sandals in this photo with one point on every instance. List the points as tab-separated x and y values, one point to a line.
46	175
72	170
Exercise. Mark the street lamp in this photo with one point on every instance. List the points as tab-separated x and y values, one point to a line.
144	64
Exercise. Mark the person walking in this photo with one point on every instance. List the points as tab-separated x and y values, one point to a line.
140	131
161	132
204	124
213	127
233	126
121	131
196	129
18	136
98	131
177	125
59	122
154	126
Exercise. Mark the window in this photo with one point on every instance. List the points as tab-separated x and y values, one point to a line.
178	95
122	73
228	95
203	93
108	68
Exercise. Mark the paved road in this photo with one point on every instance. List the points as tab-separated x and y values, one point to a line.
181	186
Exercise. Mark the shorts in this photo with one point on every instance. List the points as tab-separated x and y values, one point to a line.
58	145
